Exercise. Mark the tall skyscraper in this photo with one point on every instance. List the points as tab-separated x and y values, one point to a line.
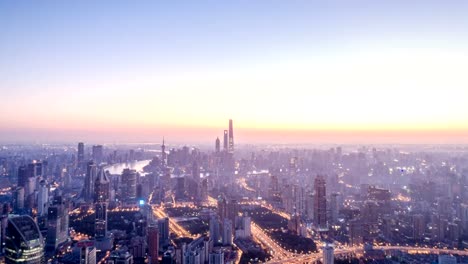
19	198
327	254
180	188
217	145
355	232
214	229
464	217
320	202
334	207
232	210
153	243
129	185
22	176
163	154
98	153
204	190
87	252
40	168
23	241
43	198
227	232
80	155
101	187
34	169
231	137
163	228
216	257
27	177
419	226
222	207
225	140
57	224
91	174
244	227
100	224
196	172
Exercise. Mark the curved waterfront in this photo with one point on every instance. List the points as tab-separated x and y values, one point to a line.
135	165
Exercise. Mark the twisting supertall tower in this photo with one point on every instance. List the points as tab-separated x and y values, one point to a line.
231	137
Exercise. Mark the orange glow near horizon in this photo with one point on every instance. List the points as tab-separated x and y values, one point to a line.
393	96
243	134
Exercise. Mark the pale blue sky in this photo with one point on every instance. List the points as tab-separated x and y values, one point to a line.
82	60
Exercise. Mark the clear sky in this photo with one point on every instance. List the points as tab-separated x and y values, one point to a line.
285	71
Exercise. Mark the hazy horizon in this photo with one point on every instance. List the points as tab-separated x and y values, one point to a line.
207	136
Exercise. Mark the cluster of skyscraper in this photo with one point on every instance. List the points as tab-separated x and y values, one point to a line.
228	140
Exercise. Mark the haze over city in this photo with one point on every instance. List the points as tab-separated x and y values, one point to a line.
289	72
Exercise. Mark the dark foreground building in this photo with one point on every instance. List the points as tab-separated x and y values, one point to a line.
23	243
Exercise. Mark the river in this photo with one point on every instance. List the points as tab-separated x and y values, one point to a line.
135	165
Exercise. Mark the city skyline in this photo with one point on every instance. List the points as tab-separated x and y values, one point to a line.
332	72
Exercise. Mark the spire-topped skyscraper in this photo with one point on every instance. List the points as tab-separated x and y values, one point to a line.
163	154
91	174
101	197
101	187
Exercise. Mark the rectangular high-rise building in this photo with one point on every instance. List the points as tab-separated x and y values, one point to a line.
43	198
80	156
22	176
57	221
214	229
227	232
327	254
419	226
19	198
464	217
163	228
216	257
100	225
27	177
98	153
89	183
153	243
355	232
320	202
129	185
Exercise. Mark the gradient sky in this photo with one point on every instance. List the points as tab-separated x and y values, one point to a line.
285	71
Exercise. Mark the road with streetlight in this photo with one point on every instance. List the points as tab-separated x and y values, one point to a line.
310	258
